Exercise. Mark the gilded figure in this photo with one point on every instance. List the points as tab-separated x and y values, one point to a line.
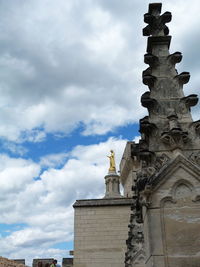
112	161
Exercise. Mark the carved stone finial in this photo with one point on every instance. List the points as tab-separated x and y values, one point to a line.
156	22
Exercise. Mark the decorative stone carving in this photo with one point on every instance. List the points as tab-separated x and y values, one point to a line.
175	137
149	102
161	161
135	242
151	60
146	127
196	125
190	100
195	157
156	22
144	176
173	122
183	77
169	126
149	80
175	57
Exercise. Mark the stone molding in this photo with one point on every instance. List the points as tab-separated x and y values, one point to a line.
103	202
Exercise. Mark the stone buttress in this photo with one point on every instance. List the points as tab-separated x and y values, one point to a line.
165	220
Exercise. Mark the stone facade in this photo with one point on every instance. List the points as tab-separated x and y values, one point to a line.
165	220
128	169
172	220
19	261
67	262
42	262
4	262
100	232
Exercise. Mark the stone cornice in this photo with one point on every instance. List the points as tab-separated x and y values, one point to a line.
103	202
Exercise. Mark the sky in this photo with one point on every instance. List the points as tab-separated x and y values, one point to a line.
70	88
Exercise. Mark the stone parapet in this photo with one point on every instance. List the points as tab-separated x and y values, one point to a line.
103	202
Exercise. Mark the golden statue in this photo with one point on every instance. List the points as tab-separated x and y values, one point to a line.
112	161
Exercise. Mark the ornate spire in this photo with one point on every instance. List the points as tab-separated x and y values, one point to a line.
168	127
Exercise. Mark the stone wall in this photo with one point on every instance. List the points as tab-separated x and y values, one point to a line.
43	261
19	261
100	232
67	262
128	168
4	262
172	220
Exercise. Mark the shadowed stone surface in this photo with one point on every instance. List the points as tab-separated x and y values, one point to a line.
67	262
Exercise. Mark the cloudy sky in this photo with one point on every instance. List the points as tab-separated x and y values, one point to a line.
70	87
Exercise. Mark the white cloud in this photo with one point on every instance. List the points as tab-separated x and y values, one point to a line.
45	205
66	63
53	160
14	148
15	173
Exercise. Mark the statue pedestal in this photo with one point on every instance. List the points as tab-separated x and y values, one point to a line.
112	185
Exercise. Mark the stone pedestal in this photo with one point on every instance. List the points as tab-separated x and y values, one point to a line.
112	185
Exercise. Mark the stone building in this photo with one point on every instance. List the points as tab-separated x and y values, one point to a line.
19	261
67	262
42	262
165	220
160	176
100	227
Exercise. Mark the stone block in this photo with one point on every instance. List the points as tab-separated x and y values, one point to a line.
100	239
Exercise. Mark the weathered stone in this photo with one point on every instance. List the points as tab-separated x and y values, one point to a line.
4	262
166	184
112	185
45	262
100	232
67	262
